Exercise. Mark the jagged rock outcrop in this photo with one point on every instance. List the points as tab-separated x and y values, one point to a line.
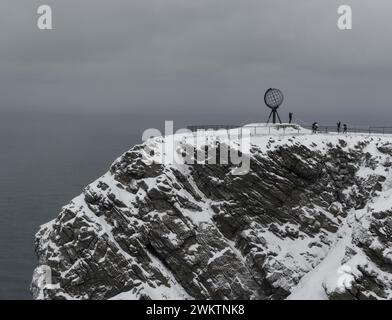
147	230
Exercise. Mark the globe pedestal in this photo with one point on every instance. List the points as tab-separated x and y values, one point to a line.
274	113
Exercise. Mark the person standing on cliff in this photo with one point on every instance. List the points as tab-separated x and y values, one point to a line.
339	124
345	128
314	127
290	117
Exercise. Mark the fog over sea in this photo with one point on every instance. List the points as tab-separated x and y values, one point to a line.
46	160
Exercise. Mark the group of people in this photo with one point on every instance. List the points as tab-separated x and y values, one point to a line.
339	127
315	127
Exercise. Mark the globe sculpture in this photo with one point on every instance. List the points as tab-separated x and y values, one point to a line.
273	98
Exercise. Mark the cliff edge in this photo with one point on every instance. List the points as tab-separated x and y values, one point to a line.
312	219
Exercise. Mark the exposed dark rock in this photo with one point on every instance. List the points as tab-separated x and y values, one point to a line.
197	231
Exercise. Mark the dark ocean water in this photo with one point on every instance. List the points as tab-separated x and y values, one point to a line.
45	161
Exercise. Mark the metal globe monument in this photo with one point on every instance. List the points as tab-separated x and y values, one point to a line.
273	98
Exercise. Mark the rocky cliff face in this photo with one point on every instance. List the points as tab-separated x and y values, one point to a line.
312	219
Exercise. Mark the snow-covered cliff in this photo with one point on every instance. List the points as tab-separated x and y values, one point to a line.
311	220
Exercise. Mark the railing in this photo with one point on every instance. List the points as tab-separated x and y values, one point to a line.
354	130
271	130
213	127
380	130
238	130
334	129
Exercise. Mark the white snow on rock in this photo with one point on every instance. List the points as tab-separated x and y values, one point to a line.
319	267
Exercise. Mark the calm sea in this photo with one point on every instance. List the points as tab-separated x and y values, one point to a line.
45	161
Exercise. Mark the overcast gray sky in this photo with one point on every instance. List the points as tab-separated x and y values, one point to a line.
199	59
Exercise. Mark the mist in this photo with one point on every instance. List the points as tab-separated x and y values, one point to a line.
208	61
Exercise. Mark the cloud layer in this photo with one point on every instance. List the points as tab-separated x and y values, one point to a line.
199	58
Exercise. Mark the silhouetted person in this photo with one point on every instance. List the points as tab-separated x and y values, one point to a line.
290	117
345	128
339	124
314	127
